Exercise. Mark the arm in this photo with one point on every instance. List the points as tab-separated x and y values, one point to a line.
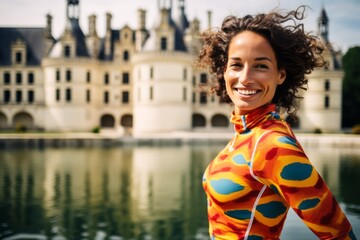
280	163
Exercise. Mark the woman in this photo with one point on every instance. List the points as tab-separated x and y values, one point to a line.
260	63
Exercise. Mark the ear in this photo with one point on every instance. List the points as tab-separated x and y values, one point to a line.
282	78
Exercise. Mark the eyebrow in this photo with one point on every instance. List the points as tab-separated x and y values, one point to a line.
256	59
263	58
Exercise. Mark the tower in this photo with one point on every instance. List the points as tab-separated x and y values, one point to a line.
162	78
321	106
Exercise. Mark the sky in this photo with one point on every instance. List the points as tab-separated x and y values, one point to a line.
344	15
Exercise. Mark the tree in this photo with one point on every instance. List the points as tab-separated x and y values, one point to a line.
351	88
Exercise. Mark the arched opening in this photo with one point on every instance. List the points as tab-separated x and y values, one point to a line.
23	121
107	121
294	121
198	120
126	121
3	121
219	120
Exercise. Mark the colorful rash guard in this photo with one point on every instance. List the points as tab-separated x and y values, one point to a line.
259	175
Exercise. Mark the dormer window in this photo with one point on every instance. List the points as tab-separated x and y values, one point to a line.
18	57
163	44
67	51
18	52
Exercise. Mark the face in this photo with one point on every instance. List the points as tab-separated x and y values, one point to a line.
251	73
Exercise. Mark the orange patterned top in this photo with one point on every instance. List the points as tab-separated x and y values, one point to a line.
259	175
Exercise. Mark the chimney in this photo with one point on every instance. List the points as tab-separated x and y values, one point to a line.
141	19
108	21
48	29
209	18
108	36
141	32
92	25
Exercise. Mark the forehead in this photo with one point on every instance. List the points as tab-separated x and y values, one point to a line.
252	43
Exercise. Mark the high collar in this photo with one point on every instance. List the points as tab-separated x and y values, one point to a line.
243	123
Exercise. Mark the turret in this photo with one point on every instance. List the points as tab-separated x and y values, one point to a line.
323	26
182	20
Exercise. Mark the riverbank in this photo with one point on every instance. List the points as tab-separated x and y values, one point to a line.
40	140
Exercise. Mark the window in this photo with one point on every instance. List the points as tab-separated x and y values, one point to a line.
203	78
57	77
126	56
88	96
7	79
163	42
7	96
30	78
57	95
68	75
327	85
18	57
125	78
125	97
194	80
184	94
106	79
67	51
88	77
185	74
18	96
193	97
30	96
106	97
327	102
203	98
68	95
18	78
151	93
151	73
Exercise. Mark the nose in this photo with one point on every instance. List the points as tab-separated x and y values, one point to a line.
245	76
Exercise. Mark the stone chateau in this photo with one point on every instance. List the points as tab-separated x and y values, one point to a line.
137	81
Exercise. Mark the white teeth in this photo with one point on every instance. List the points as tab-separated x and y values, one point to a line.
247	92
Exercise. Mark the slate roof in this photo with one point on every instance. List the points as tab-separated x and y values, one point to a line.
179	44
81	48
33	38
80	39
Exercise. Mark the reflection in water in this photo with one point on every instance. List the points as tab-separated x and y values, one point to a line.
133	193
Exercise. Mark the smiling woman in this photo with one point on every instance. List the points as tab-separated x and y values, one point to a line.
251	74
260	64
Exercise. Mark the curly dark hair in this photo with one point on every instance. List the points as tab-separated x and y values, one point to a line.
296	52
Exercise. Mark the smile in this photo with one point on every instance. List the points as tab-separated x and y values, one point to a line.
246	92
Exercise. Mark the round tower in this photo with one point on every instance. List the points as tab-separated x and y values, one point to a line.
162	79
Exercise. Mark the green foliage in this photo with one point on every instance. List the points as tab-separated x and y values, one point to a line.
351	88
20	128
317	131
96	130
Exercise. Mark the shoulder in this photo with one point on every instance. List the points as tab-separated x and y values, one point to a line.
276	132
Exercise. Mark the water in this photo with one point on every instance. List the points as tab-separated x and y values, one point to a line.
149	193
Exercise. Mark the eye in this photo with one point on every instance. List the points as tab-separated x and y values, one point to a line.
236	65
261	66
